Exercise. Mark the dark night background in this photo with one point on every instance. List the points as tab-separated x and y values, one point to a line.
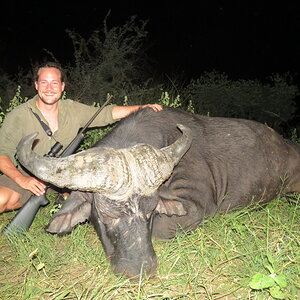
245	40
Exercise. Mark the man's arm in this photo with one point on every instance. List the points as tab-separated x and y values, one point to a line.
29	183
120	112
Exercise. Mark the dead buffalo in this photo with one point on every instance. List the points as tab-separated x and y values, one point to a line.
131	191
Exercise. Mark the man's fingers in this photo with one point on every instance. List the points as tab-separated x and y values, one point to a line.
155	107
38	188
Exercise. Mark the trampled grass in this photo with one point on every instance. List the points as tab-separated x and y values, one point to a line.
250	254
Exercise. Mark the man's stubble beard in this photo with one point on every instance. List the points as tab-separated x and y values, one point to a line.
47	103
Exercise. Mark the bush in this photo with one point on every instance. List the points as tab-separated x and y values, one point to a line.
7	90
272	103
109	61
14	102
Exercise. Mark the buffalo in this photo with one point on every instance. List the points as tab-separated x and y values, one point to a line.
146	178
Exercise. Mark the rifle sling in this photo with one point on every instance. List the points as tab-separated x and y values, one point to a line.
43	124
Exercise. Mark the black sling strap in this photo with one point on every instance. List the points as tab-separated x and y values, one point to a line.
43	124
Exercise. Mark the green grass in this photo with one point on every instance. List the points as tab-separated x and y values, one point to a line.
226	258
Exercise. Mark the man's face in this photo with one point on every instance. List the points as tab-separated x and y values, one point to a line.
49	85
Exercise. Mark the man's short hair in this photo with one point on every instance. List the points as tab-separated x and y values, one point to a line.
48	64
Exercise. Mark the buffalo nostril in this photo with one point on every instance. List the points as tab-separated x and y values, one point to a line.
134	271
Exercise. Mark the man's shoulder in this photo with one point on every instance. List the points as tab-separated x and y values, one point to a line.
22	107
72	104
67	102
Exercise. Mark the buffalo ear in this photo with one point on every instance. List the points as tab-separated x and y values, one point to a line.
65	219
170	207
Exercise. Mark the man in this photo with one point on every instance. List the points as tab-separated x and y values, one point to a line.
63	117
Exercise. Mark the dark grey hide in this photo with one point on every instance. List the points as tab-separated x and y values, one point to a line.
231	163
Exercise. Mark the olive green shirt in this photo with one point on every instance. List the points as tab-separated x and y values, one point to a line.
72	116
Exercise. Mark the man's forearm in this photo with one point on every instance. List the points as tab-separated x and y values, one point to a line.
32	184
8	168
120	112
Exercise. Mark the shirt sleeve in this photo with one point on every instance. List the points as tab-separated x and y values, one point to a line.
85	113
10	135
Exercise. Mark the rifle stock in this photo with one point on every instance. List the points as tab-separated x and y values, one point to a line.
25	216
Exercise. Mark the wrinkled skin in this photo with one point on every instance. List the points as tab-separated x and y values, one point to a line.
126	236
231	162
127	239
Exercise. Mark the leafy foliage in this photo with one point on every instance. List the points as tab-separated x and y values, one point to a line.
166	100
109	61
272	103
14	102
273	282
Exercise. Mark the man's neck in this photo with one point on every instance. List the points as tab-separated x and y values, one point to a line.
47	109
50	113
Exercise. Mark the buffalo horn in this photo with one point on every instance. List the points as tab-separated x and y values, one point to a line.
114	172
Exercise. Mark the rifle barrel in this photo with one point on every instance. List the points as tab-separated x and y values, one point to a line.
80	136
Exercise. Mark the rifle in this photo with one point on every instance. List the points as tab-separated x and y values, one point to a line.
25	216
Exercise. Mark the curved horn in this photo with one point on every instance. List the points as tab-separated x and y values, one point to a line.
153	166
141	168
29	158
90	170
181	145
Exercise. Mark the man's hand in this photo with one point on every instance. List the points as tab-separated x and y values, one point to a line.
155	107
32	184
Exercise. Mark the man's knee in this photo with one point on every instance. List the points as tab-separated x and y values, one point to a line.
9	199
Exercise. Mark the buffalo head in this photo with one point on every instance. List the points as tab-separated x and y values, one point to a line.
116	189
